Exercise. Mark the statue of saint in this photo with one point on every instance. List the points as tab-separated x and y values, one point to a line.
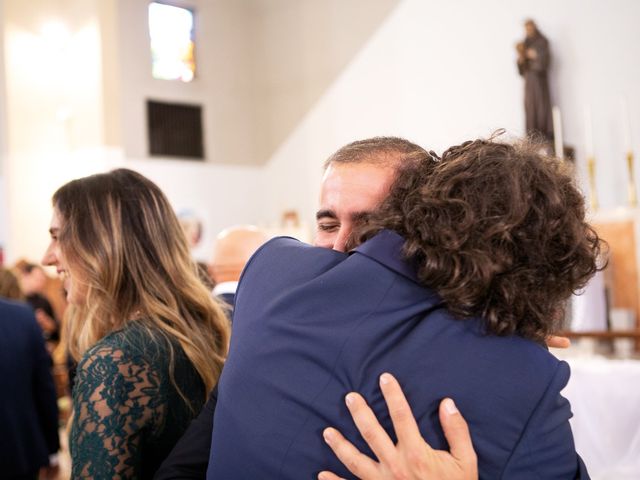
533	62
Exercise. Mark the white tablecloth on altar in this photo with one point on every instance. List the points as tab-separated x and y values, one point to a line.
605	399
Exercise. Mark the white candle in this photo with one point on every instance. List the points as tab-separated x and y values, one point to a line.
626	126
588	132
557	132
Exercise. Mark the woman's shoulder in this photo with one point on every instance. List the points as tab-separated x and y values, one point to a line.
135	343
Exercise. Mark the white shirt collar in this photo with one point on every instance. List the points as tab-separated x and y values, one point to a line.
225	287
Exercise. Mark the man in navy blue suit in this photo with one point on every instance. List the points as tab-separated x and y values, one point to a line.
457	299
29	412
357	178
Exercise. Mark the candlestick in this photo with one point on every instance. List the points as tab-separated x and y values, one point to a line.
626	126
588	132
593	195
633	199
557	132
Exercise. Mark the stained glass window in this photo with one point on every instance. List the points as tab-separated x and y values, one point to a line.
172	42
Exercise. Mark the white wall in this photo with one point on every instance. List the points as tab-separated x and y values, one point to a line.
222	84
53	110
3	97
83	76
224	190
220	195
435	72
261	64
4	209
300	47
441	72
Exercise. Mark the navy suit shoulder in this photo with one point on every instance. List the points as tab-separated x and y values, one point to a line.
228	298
312	325
268	260
29	413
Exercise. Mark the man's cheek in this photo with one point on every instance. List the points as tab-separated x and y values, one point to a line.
324	240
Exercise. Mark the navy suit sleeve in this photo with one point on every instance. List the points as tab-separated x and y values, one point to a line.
190	456
45	391
546	449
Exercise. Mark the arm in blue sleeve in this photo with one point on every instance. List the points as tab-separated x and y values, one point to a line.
45	391
546	449
190	456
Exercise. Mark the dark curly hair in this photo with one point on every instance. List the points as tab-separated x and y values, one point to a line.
498	230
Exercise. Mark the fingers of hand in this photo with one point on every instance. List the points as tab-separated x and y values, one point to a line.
558	342
328	476
357	463
369	427
403	420
456	431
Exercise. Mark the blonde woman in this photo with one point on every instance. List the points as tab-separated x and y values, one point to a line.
149	338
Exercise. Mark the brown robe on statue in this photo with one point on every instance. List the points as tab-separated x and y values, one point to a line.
537	102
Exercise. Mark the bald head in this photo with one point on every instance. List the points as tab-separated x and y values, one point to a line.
234	246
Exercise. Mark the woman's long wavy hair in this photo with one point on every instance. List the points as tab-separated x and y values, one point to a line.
498	230
124	245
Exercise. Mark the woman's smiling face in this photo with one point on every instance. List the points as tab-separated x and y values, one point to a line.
53	256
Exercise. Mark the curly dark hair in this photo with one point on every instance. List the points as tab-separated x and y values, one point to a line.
498	230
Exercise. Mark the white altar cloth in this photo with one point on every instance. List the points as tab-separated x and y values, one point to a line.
605	400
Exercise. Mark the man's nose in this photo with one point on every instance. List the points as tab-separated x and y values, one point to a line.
342	238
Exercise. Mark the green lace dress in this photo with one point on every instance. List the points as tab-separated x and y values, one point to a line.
127	413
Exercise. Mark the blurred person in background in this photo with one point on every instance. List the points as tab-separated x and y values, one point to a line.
29	439
10	288
46	296
35	281
233	248
192	227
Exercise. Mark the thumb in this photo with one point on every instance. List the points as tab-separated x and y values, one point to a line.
457	432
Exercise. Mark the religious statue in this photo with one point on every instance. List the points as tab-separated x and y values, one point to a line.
533	62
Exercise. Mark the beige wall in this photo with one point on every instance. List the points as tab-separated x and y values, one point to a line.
262	64
69	115
4	209
286	82
3	97
53	109
222	84
111	102
302	48
53	83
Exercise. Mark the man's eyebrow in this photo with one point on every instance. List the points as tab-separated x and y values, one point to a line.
325	214
360	216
